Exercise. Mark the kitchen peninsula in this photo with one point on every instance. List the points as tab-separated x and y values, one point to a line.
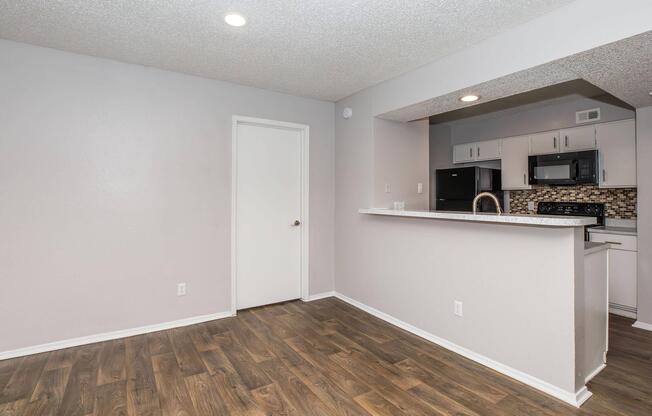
518	293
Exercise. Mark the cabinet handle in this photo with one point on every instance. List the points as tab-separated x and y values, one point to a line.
604	175
470	152
614	242
554	142
524	179
566	137
478	151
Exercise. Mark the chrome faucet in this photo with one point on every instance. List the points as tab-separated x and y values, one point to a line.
490	195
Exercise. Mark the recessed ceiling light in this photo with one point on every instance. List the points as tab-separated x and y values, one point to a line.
235	19
470	98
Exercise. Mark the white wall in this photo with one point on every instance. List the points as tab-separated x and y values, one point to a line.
115	185
644	173
440	155
401	160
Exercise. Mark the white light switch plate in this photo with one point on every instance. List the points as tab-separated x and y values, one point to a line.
419	188
457	306
181	289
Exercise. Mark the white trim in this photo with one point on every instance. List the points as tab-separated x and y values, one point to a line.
576	399
107	336
595	373
318	296
642	325
622	312
304	130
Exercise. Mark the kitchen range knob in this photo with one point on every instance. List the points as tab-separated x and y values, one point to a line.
296	223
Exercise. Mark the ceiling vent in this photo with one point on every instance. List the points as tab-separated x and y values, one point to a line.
586	116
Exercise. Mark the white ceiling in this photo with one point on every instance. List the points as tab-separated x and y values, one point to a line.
622	69
326	49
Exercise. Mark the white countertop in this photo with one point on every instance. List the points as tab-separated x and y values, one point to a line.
593	247
540	220
614	230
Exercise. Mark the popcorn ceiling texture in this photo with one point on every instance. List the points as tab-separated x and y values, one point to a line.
316	48
603	67
619	203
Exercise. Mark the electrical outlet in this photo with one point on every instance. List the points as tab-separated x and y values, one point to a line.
419	188
181	289
530	205
457	308
388	188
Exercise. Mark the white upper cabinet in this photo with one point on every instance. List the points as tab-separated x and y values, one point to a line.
514	166
464	153
473	152
578	138
545	143
617	147
488	150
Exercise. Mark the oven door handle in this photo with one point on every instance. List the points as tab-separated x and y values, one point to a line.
575	169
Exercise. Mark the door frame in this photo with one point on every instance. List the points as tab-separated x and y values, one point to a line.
304	131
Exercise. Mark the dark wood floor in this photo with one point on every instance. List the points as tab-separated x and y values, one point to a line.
319	358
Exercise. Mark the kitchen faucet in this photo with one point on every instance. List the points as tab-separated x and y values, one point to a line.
482	195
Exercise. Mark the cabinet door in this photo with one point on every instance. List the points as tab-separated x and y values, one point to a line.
514	165
544	143
464	153
578	138
487	150
617	147
622	277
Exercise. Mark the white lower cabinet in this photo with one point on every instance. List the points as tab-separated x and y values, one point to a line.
622	272
514	165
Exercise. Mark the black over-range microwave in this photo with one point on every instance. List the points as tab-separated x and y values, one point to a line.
564	168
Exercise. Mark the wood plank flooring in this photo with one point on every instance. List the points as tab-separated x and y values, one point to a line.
296	358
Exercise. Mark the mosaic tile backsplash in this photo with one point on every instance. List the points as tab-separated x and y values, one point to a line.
620	203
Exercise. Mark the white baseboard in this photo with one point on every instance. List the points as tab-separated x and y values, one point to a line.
107	336
595	372
576	399
620	310
642	325
318	296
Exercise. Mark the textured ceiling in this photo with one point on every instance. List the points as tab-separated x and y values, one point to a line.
325	49
622	69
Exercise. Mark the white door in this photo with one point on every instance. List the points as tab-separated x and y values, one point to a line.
578	138
617	146
544	143
514	164
269	200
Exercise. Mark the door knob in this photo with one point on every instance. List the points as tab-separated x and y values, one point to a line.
296	223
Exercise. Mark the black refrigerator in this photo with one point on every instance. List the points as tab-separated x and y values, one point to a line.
456	188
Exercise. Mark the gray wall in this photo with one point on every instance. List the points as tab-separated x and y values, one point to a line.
413	269
116	184
644	156
532	119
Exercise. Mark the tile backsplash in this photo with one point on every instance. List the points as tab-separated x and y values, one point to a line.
620	203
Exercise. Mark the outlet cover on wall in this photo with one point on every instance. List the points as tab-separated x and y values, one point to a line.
388	188
457	308
419	188
530	205
181	289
